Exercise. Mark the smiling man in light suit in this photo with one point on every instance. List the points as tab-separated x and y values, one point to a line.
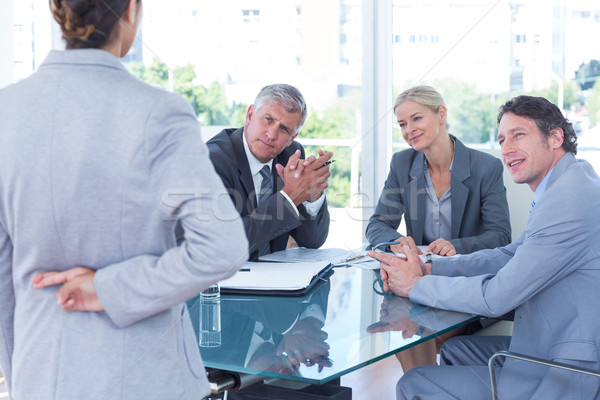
550	275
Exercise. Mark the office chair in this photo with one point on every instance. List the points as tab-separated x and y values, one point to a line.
522	357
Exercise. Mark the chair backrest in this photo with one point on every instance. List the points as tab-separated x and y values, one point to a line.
536	360
519	198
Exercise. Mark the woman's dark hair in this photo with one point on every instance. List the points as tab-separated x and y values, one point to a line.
546	116
87	24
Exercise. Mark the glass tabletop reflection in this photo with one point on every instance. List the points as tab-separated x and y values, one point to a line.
344	323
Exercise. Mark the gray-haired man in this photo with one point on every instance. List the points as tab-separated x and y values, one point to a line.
277	192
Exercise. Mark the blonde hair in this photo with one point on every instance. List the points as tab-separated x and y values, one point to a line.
424	95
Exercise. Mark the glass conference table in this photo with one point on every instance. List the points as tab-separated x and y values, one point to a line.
344	323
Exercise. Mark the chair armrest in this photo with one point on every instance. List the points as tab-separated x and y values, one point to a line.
522	357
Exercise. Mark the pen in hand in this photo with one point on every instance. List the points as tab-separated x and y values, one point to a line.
327	163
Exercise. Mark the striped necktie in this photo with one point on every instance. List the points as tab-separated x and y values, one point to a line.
266	189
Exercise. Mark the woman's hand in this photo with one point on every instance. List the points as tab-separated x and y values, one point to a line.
77	292
405	241
441	247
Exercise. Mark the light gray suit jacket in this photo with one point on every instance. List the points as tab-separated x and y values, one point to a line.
479	219
551	275
95	169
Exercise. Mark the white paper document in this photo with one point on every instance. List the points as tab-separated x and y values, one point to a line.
302	254
274	275
426	256
335	256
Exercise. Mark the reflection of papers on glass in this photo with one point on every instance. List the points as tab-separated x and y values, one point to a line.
274	276
336	256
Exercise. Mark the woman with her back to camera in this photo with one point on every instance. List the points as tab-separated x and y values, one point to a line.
452	198
96	168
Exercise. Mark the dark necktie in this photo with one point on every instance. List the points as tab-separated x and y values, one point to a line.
266	189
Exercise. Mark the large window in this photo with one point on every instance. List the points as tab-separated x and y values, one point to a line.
226	51
350	58
487	51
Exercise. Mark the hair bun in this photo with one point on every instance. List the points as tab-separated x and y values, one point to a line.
87	23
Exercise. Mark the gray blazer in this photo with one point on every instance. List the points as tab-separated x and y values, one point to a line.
479	217
96	167
551	275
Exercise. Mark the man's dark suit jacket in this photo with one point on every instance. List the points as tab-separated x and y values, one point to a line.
274	220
